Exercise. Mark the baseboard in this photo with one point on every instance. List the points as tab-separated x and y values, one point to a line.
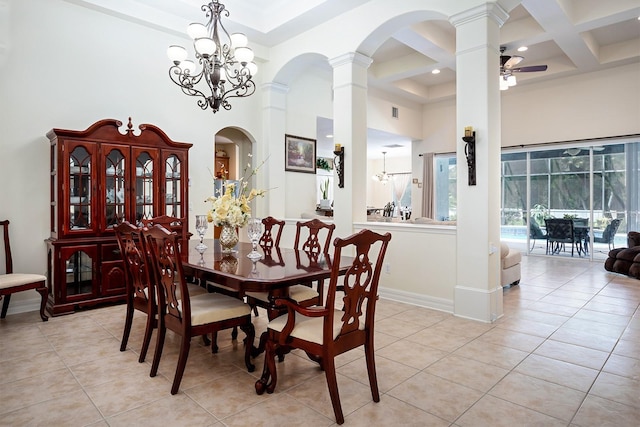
419	300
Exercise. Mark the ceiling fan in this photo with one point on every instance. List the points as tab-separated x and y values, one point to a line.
508	67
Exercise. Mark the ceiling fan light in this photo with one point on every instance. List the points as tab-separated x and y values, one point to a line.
511	80
503	83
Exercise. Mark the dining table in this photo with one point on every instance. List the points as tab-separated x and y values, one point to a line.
277	269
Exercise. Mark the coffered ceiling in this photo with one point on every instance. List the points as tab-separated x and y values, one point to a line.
569	36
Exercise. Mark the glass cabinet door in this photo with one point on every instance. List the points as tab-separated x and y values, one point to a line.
80	189
173	196
78	265
115	188
144	188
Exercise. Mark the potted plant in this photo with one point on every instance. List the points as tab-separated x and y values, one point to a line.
325	203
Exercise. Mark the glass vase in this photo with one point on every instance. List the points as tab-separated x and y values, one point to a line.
228	238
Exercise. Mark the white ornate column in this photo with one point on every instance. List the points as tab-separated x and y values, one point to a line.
350	131
271	175
478	294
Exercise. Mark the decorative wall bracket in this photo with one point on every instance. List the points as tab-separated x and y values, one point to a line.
470	152
338	162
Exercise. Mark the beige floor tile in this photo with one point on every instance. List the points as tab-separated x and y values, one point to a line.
389	372
391	411
598	328
411	354
29	366
571	353
176	411
127	392
70	409
422	316
628	348
619	389
36	389
530	327
603	307
558	372
100	371
491	354
584	339
598	412
503	336
542	317
467	372
542	396
600	317
545	307
278	410
493	412
397	328
441	339
315	394
624	366
227	395
293	370
437	396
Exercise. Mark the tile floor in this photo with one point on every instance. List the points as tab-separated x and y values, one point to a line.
565	353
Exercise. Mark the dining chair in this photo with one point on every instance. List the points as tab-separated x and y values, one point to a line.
316	243
535	232
609	233
141	292
326	332
188	316
559	232
11	282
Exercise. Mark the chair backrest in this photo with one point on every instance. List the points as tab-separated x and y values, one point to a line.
610	230
171	223
314	242
136	269
267	239
559	229
164	248
583	222
535	232
360	282
8	261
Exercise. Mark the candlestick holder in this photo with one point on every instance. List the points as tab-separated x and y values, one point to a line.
339	165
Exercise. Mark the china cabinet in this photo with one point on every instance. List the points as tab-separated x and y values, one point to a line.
100	177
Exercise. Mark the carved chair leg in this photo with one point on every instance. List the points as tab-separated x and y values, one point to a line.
371	371
5	306
128	320
214	342
206	340
332	383
182	363
44	292
250	331
162	331
147	337
234	333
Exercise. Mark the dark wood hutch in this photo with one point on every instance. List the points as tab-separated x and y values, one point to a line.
100	177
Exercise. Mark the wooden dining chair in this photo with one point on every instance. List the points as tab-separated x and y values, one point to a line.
11	282
141	291
188	316
325	332
316	243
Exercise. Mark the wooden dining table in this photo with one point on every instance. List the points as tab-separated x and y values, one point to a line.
274	272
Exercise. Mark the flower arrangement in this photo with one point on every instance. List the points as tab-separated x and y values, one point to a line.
232	207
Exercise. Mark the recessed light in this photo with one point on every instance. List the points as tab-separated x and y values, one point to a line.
436	71
522	48
329	135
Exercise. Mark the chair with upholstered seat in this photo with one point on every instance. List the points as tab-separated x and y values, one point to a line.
11	282
188	316
325	332
141	292
316	243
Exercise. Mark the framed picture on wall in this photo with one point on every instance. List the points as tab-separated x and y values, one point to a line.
299	154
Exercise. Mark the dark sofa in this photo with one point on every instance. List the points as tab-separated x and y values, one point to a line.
626	260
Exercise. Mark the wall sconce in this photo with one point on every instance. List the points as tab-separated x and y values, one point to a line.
338	162
470	152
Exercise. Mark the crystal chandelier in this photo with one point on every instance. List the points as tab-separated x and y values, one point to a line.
382	177
226	62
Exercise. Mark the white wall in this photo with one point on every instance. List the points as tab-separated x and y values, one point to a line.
67	66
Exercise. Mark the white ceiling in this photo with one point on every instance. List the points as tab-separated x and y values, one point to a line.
570	36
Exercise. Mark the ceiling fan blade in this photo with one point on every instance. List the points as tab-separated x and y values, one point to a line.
529	69
512	61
